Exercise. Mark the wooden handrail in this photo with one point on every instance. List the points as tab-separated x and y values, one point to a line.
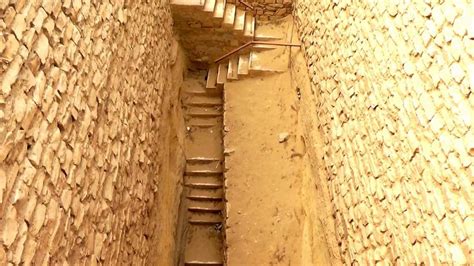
246	4
251	43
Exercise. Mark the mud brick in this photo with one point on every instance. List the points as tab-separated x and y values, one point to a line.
442	27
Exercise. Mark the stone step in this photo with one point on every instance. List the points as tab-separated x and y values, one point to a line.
229	16
203	246
203	167
204	181
212	77
209	6
200	111
204	101
239	21
200	263
187	2
203	91
200	171
205	206
207	218
232	69
203	121
219	9
203	159
205	194
274	60
263	47
266	38
243	67
203	185
249	25
222	73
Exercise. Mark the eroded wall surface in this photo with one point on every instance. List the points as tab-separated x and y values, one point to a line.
268	9
393	85
202	36
81	89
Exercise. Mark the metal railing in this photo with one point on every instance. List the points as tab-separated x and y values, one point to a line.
252	43
246	4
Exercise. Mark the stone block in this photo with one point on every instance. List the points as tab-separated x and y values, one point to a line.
418	53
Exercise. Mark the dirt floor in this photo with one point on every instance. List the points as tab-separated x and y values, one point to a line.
267	223
319	231
277	212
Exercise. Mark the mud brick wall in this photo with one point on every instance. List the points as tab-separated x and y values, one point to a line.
202	36
394	82
268	9
81	86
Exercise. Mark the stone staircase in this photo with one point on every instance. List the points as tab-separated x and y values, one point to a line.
203	103
259	58
209	28
225	14
203	177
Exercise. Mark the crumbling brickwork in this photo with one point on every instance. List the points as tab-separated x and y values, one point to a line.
82	83
202	36
268	9
393	82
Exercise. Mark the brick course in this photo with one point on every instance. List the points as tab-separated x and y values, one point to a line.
393	84
268	9
81	89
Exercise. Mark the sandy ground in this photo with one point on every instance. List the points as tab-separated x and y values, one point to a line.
319	231
277	204
267	223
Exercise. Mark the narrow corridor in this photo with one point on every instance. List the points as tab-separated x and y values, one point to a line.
236	132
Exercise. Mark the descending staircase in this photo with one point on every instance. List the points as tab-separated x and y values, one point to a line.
258	60
207	27
203	26
203	174
227	14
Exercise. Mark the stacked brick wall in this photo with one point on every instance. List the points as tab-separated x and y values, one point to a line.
268	9
394	85
203	37
81	85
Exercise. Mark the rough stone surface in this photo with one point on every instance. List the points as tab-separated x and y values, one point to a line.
267	9
393	91
202	36
82	89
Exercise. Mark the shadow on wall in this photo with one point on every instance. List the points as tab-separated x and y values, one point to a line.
169	188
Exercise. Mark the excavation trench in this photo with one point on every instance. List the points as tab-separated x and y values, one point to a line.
247	175
122	141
